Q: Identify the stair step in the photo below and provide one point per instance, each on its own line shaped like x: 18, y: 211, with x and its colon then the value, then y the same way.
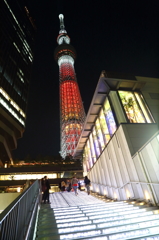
x: 88, y: 218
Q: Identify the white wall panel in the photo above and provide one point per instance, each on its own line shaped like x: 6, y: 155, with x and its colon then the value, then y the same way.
x: 155, y: 145
x: 100, y: 169
x: 103, y: 172
x: 121, y: 163
x: 98, y: 172
x: 114, y: 156
x: 139, y: 172
x: 155, y: 191
x: 110, y: 167
x: 135, y: 190
x: 104, y: 159
x: 139, y: 169
x: 150, y: 163
x: 121, y: 134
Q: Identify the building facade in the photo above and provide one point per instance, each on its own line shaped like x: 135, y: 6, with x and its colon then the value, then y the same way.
x: 16, y: 58
x: 72, y: 115
x: 120, y: 139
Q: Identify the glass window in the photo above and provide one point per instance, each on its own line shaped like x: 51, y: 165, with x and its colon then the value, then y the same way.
x: 96, y: 143
x: 111, y: 124
x: 89, y: 155
x: 86, y: 157
x: 99, y: 135
x: 92, y: 148
x: 27, y: 176
x: 104, y: 127
x: 144, y: 108
x: 135, y: 107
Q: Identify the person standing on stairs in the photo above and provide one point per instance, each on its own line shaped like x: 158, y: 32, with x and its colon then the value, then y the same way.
x: 74, y: 184
x: 46, y: 192
x: 87, y: 184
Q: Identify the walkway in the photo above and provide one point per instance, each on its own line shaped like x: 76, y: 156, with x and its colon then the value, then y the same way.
x: 86, y: 217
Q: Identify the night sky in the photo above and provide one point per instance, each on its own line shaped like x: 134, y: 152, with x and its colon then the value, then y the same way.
x: 117, y: 36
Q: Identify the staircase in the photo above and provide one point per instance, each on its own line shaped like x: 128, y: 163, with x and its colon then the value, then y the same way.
x: 86, y: 217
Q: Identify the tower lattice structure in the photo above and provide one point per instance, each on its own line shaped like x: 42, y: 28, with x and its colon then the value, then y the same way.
x: 72, y: 114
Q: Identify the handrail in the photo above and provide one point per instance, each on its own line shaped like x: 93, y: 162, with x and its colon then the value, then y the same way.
x: 17, y: 218
x: 31, y: 220
x: 124, y: 184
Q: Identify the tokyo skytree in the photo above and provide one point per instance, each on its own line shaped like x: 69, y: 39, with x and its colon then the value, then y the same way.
x: 72, y: 114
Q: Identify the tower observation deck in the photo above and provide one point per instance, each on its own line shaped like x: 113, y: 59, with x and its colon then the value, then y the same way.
x: 72, y: 114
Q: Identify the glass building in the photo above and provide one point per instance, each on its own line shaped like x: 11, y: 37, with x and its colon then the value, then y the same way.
x: 16, y: 59
x: 119, y: 144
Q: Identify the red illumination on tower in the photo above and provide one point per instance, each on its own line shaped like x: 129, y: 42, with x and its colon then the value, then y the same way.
x: 72, y: 114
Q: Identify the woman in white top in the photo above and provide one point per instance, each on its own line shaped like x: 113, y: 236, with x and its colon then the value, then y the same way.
x: 74, y: 184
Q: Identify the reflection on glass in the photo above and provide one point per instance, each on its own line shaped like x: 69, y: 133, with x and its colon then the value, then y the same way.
x: 135, y: 107
x: 85, y: 158
x: 92, y: 149
x: 104, y: 127
x: 99, y: 135
x: 89, y: 155
x: 109, y: 118
x: 96, y: 143
x: 144, y: 108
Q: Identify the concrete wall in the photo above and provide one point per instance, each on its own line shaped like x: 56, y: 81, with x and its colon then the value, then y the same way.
x: 6, y: 199
x: 119, y: 175
x: 128, y: 167
x: 138, y: 134
x: 151, y: 87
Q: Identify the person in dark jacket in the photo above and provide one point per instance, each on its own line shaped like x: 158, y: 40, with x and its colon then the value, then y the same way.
x: 43, y: 188
x: 63, y: 186
x: 68, y: 186
x: 46, y: 192
x: 87, y: 184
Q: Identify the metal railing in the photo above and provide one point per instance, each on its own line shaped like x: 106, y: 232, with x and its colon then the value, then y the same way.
x: 151, y: 184
x: 18, y: 219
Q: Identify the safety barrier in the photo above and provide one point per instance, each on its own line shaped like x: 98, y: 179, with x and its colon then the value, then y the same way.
x: 18, y: 219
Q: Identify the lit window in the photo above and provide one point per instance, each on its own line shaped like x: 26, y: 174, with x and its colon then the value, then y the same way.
x: 99, y: 134
x: 7, y: 97
x: 104, y: 127
x: 110, y: 121
x: 135, y: 107
x: 16, y: 47
x: 96, y: 143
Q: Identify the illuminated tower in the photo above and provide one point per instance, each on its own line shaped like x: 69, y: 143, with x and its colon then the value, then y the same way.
x: 72, y: 114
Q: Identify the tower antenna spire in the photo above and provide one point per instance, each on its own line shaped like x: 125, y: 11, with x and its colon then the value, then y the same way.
x: 62, y: 26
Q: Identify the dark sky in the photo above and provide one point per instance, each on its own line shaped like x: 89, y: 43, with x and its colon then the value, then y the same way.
x: 118, y: 36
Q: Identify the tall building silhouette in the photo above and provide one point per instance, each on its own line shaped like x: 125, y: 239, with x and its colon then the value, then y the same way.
x: 16, y: 58
x: 72, y: 114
